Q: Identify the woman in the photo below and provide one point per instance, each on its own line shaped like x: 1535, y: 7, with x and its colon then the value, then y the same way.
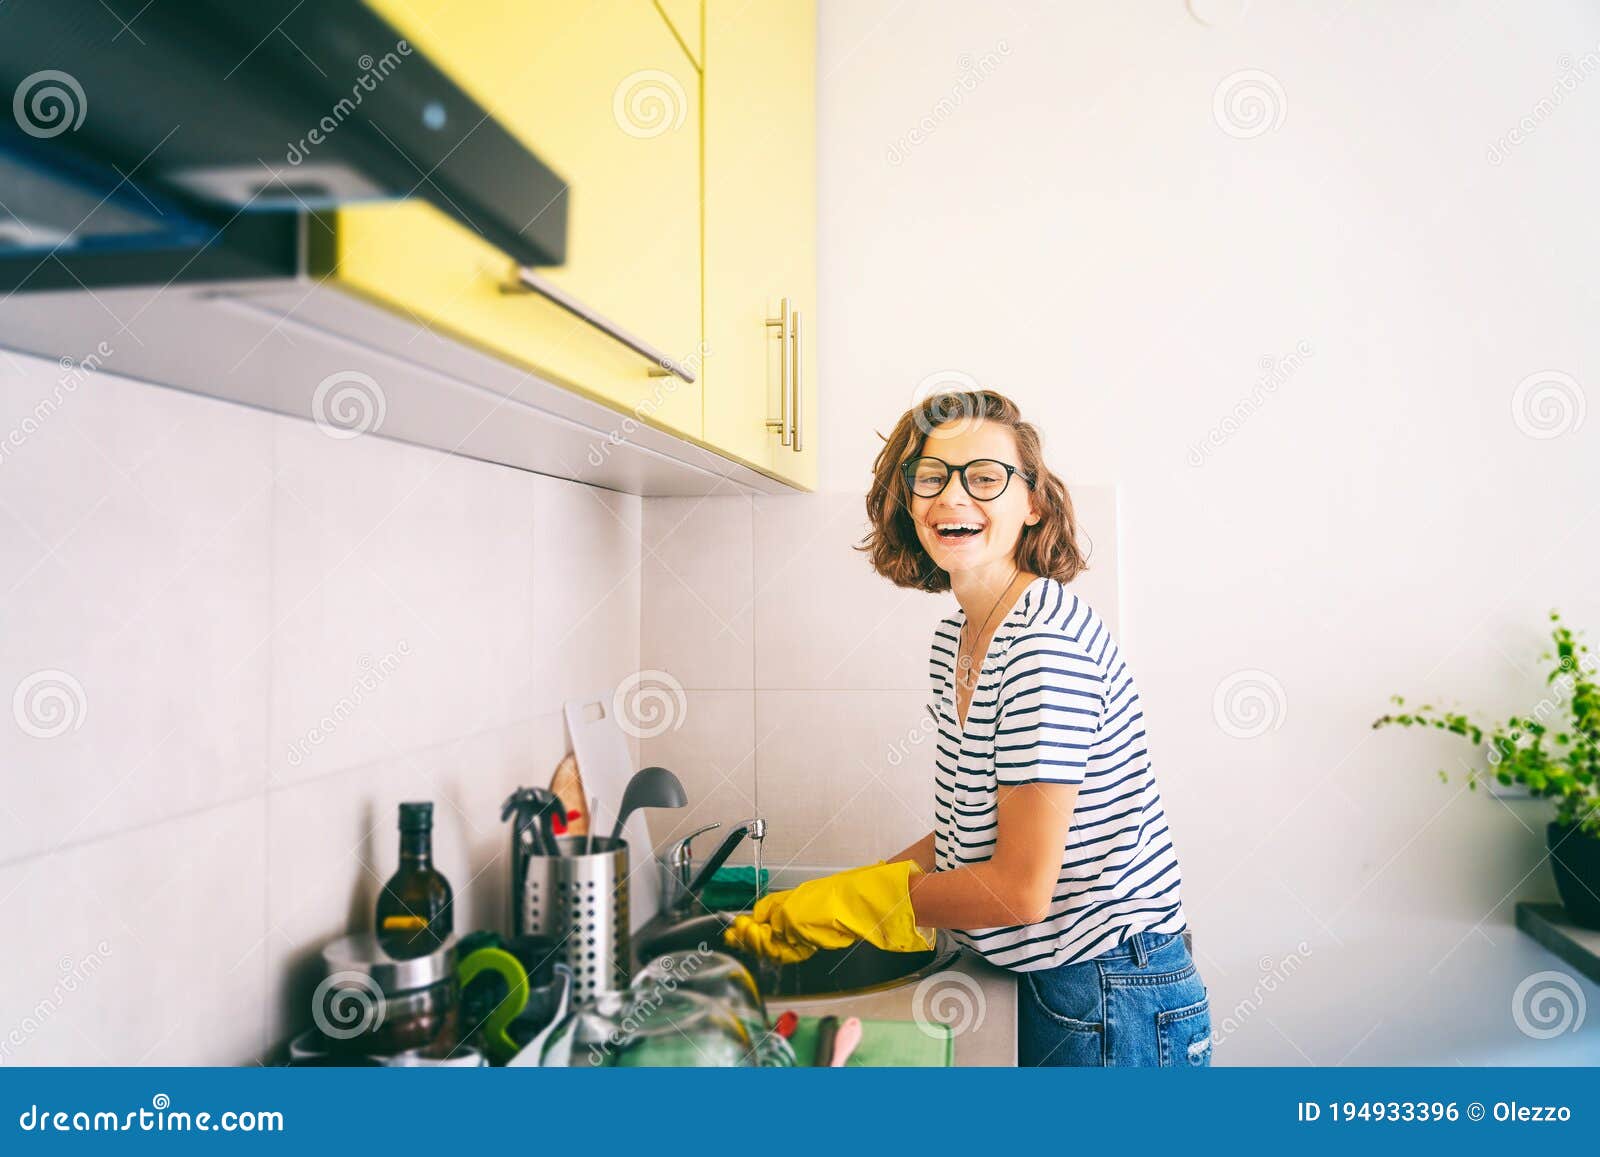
x: 1051, y: 854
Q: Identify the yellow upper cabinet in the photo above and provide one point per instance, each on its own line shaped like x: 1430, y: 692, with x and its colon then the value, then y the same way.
x: 760, y: 240
x: 605, y: 94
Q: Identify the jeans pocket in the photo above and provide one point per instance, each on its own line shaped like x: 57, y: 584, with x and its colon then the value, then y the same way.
x: 1070, y: 994
x: 1047, y: 1035
x: 1183, y: 1035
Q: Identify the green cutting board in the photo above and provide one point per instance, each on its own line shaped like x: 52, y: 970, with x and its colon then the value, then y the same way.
x: 885, y: 1044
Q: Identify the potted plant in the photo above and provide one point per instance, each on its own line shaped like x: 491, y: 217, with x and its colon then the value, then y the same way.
x: 1554, y: 751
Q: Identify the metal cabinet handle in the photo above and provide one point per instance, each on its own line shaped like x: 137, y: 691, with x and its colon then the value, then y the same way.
x: 525, y: 280
x: 794, y: 377
x: 785, y: 329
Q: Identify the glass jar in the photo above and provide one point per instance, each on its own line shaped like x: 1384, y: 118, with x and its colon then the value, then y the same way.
x: 726, y: 980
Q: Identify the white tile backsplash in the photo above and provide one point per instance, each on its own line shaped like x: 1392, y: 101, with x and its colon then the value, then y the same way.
x: 227, y: 586
x: 134, y: 604
x: 823, y: 618
x: 586, y: 589
x: 142, y: 948
x: 713, y: 753
x: 846, y: 776
x: 697, y: 570
x: 403, y: 601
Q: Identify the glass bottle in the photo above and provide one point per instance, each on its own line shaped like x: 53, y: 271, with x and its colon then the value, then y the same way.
x: 414, y: 913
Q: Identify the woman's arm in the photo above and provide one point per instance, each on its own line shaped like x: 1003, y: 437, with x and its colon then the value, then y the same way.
x: 1014, y: 886
x: 921, y: 853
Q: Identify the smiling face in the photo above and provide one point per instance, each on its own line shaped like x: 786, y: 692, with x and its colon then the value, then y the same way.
x: 995, y: 525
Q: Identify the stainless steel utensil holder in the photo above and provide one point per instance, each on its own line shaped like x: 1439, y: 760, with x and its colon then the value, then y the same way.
x: 581, y: 899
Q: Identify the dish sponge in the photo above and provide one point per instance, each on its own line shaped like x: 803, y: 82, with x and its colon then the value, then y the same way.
x: 732, y: 889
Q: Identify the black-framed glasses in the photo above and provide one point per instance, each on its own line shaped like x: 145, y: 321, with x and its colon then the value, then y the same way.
x: 984, y: 478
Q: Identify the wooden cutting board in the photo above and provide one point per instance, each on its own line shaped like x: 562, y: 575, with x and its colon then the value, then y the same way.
x: 567, y: 783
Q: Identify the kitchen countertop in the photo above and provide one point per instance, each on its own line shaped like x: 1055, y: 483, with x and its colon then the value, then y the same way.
x: 975, y: 998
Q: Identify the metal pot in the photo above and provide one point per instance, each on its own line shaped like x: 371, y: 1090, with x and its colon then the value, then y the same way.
x: 370, y: 1003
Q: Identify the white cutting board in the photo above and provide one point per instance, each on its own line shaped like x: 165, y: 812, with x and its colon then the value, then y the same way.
x: 606, y: 766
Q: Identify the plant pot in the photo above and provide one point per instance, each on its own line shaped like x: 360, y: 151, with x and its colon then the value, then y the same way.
x: 1575, y: 859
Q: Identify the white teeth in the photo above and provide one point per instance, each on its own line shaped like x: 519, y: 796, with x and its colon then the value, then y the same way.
x: 957, y: 526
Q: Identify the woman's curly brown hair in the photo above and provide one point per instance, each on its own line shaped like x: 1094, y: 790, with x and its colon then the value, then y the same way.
x: 1049, y: 547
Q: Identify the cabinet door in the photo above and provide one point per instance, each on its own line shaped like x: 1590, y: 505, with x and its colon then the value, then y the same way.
x: 684, y: 16
x: 603, y: 92
x: 760, y: 182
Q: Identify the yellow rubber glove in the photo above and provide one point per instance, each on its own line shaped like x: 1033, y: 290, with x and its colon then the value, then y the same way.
x: 753, y: 933
x: 871, y: 903
x: 762, y: 912
x: 759, y: 940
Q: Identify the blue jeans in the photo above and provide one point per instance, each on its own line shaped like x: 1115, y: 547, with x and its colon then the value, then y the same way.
x: 1140, y: 1003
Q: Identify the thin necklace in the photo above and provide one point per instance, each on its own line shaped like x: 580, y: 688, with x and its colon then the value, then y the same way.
x: 965, y: 662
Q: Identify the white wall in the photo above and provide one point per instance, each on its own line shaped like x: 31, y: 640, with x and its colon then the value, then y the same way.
x: 189, y: 589
x: 1074, y: 228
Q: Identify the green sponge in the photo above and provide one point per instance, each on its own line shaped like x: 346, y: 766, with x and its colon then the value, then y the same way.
x: 732, y: 889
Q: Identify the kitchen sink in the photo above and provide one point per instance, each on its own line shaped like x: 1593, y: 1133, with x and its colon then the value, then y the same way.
x: 849, y: 971
x: 846, y: 971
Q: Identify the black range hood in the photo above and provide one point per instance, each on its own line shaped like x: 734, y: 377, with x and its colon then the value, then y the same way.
x: 186, y: 138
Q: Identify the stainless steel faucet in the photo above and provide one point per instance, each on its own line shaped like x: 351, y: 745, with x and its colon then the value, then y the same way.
x: 681, y: 859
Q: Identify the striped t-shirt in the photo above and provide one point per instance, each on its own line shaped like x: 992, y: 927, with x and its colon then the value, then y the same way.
x: 1055, y: 703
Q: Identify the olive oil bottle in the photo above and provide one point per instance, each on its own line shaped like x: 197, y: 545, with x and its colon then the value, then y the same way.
x: 414, y: 916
